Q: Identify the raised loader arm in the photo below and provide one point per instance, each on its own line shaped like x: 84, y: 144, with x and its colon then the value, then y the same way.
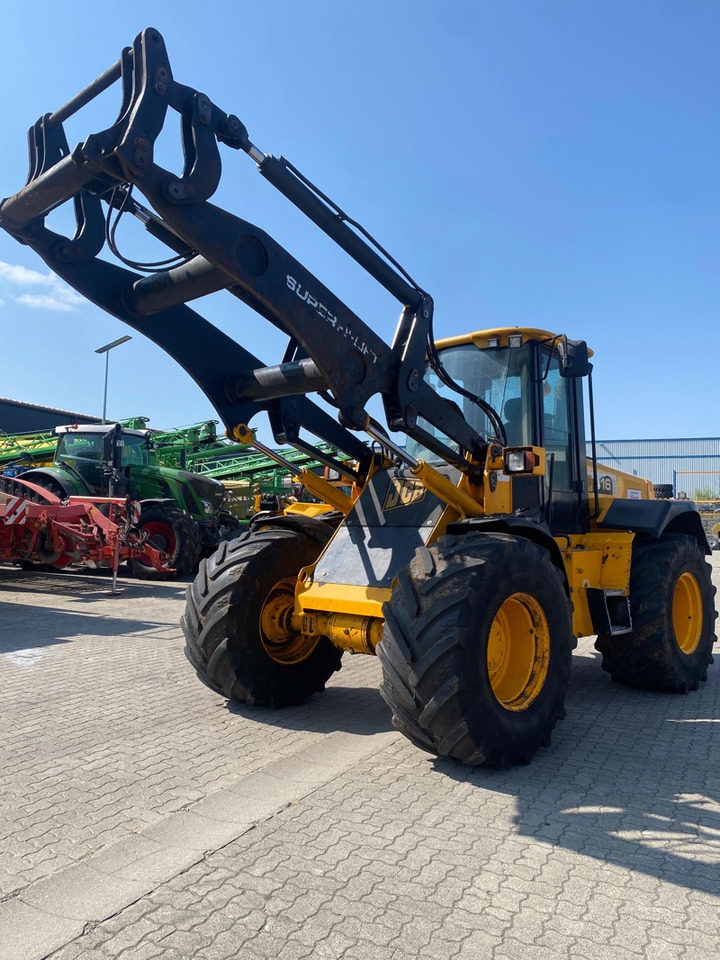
x: 330, y: 349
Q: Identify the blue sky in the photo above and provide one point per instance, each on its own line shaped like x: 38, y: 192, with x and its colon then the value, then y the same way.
x: 551, y: 163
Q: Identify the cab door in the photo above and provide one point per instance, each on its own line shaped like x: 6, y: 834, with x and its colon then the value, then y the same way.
x: 563, y: 436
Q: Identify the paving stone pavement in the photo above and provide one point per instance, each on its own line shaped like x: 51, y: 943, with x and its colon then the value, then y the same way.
x: 142, y: 816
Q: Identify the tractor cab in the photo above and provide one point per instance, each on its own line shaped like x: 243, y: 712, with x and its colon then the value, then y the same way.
x: 91, y: 450
x: 531, y: 381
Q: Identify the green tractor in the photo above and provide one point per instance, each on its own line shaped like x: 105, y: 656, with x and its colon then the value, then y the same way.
x: 181, y: 512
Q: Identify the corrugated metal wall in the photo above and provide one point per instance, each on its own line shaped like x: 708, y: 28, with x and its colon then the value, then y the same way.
x: 693, y: 463
x: 18, y: 417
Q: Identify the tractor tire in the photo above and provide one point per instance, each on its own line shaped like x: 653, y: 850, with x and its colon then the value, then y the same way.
x: 52, y: 486
x: 229, y: 526
x: 477, y: 649
x: 9, y: 486
x: 175, y: 533
x: 663, y: 491
x: 672, y: 607
x: 236, y: 621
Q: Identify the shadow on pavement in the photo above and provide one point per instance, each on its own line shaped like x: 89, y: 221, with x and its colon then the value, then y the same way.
x: 631, y: 778
x: 87, y: 587
x: 25, y: 626
x: 358, y: 710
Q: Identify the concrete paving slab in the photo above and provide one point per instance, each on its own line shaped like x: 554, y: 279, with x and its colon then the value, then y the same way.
x: 27, y: 933
x: 80, y: 893
x: 190, y: 831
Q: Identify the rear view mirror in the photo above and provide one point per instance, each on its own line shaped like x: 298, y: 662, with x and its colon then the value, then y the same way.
x: 574, y: 358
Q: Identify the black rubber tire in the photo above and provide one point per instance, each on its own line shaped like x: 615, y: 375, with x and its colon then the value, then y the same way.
x: 173, y: 532
x: 10, y: 486
x: 434, y: 651
x: 651, y: 657
x: 229, y: 526
x: 51, y: 485
x: 663, y: 491
x: 221, y: 622
x: 226, y: 527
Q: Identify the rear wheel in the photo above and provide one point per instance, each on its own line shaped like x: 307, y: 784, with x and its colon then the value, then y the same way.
x: 229, y: 526
x: 174, y: 533
x: 226, y: 527
x: 477, y: 649
x: 48, y: 483
x: 673, y: 613
x: 237, y: 624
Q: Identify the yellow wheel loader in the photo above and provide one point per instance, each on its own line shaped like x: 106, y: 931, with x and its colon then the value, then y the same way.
x: 473, y: 541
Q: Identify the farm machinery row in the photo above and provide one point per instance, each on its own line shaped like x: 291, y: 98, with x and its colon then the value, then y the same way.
x: 182, y: 512
x: 217, y: 483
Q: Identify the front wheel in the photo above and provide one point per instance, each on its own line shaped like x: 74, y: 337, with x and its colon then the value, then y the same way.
x: 477, y: 649
x: 172, y: 532
x: 237, y: 620
x: 672, y: 608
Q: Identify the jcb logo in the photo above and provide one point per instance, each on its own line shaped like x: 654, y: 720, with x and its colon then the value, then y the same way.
x: 402, y: 492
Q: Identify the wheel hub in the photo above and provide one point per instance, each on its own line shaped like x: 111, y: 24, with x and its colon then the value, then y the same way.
x: 687, y: 613
x: 160, y: 536
x: 518, y: 651
x: 279, y: 639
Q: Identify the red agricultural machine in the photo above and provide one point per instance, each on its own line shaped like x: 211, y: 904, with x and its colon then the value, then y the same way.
x: 38, y: 529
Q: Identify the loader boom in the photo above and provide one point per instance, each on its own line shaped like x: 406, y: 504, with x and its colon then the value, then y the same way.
x: 330, y: 349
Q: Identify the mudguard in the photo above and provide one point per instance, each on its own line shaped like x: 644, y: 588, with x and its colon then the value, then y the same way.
x: 653, y: 518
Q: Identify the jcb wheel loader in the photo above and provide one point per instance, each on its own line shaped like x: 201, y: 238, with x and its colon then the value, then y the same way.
x: 478, y: 542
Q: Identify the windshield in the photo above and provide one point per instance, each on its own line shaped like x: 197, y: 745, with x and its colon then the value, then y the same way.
x: 89, y: 447
x: 499, y: 376
x: 73, y: 446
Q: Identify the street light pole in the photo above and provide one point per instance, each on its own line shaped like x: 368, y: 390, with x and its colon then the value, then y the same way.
x: 106, y: 350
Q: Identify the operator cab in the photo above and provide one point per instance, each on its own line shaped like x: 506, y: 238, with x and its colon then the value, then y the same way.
x: 533, y: 380
x: 88, y: 449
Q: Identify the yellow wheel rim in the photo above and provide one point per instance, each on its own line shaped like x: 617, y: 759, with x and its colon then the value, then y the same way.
x: 278, y: 638
x: 687, y: 613
x: 518, y: 652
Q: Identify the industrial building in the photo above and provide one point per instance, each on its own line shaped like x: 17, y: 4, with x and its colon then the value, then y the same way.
x: 691, y: 465
x: 19, y: 417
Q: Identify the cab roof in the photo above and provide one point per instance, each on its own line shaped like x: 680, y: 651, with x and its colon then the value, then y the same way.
x: 481, y: 338
x: 101, y: 428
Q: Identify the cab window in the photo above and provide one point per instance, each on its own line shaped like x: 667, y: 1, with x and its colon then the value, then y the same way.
x: 556, y: 423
